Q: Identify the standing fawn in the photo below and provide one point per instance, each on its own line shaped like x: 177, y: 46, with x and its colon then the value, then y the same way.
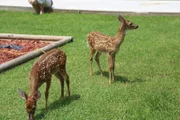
x: 52, y: 62
x: 109, y: 45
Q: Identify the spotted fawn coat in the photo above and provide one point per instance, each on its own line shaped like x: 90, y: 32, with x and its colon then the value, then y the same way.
x: 109, y: 45
x: 52, y: 62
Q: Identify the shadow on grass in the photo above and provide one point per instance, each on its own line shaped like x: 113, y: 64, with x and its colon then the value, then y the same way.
x: 122, y: 79
x: 58, y: 104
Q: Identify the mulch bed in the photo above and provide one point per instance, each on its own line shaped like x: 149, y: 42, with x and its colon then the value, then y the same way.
x: 7, y: 52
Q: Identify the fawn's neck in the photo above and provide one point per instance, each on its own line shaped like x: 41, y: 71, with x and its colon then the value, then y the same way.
x: 33, y: 80
x: 33, y: 86
x: 121, y: 34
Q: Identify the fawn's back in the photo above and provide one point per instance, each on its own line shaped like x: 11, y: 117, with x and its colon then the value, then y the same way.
x: 48, y: 64
x: 102, y: 42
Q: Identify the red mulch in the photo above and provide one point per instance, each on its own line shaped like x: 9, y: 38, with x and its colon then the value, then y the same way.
x: 7, y: 54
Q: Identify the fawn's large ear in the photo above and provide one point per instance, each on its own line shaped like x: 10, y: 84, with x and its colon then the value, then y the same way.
x: 121, y: 19
x: 22, y: 94
x: 37, y: 95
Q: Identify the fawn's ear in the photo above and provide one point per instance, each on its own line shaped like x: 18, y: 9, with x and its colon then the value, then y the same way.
x: 37, y: 95
x: 22, y: 94
x: 121, y: 19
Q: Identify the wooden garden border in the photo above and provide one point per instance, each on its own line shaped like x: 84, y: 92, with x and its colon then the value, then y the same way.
x: 56, y: 41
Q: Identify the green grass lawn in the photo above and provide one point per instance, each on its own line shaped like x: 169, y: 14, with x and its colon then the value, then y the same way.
x: 147, y: 73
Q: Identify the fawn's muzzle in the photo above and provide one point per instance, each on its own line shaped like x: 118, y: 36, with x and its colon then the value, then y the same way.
x: 136, y: 27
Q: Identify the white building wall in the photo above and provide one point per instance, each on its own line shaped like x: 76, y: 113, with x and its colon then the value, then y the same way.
x: 139, y: 6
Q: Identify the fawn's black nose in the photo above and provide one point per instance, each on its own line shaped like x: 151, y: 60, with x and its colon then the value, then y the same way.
x: 136, y: 27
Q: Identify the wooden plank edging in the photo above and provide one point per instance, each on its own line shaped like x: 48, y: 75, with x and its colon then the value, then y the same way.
x: 17, y: 61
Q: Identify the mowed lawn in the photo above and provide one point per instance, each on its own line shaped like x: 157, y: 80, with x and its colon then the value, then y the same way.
x: 147, y: 73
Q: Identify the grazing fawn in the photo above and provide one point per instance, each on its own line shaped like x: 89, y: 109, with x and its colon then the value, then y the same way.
x: 109, y: 45
x: 52, y: 62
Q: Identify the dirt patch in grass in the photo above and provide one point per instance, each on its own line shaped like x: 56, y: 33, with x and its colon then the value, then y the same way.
x: 13, y: 48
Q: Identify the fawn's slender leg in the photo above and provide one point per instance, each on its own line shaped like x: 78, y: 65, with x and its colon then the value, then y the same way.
x: 62, y: 75
x: 113, y: 60
x: 110, y: 65
x: 66, y: 77
x: 67, y: 83
x: 92, y: 52
x: 61, y: 79
x: 98, y: 54
x: 48, y: 84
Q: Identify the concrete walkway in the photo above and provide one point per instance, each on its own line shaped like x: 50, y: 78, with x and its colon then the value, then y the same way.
x: 137, y: 6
